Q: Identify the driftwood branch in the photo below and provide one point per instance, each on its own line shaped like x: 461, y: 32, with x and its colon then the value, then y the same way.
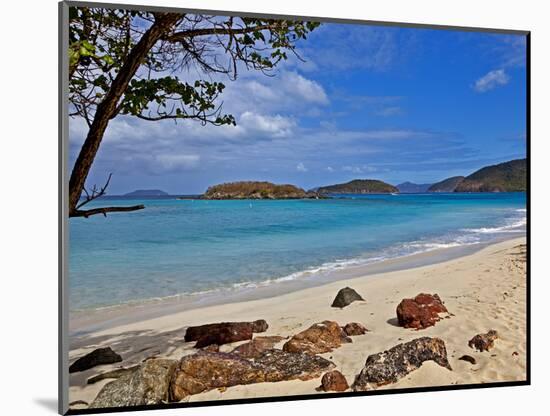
x: 89, y: 212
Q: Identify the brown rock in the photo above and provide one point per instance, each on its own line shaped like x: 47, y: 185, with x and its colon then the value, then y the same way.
x: 206, y: 371
x: 420, y: 312
x: 99, y: 356
x: 334, y: 381
x: 209, y: 370
x: 484, y: 342
x: 355, y: 328
x: 254, y: 348
x: 147, y: 385
x: 391, y: 365
x: 259, y: 325
x: 224, y: 332
x: 317, y: 339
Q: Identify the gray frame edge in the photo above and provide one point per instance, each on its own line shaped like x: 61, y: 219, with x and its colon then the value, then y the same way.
x: 71, y: 3
x: 63, y: 241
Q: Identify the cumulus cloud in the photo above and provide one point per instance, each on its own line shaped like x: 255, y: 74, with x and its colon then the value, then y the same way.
x: 287, y: 91
x: 275, y: 126
x: 303, y: 88
x: 491, y: 80
x: 300, y: 167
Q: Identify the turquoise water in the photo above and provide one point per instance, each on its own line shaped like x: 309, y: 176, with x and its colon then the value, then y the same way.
x: 178, y: 247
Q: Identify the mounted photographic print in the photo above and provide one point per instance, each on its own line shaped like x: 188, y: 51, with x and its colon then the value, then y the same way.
x: 262, y: 208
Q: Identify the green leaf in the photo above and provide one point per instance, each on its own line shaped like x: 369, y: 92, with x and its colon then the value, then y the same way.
x: 108, y: 60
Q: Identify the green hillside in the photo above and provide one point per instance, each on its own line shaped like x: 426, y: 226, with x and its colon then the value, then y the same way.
x: 446, y: 185
x: 359, y: 186
x: 505, y: 177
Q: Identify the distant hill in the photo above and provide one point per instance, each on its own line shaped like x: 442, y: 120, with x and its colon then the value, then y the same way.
x: 256, y: 190
x: 147, y: 192
x: 359, y: 186
x: 505, y: 177
x: 413, y: 188
x: 447, y: 185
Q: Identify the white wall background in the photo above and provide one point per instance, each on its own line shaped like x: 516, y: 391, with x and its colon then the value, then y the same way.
x: 28, y: 207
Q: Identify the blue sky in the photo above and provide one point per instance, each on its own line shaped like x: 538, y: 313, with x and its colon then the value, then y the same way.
x: 396, y: 104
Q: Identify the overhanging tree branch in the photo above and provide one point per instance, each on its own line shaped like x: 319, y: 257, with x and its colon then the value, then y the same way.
x: 123, y: 63
x: 186, y: 34
x: 81, y: 169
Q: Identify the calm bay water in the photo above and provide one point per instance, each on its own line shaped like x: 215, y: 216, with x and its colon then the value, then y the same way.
x: 178, y: 247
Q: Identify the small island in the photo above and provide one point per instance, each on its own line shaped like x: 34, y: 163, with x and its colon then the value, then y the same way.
x: 359, y: 186
x: 256, y: 190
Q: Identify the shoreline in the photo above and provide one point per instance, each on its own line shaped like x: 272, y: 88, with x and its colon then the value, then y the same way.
x: 484, y: 290
x: 82, y: 322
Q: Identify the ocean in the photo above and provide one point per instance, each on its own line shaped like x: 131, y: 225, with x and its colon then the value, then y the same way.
x: 178, y: 248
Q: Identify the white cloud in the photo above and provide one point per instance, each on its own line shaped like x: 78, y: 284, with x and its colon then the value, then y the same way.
x: 359, y: 169
x: 303, y: 88
x: 395, y: 134
x: 172, y: 162
x: 300, y: 167
x: 330, y: 169
x: 275, y: 126
x: 491, y: 80
x: 285, y: 92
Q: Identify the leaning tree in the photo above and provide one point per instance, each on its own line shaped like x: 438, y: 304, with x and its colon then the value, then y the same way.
x: 124, y: 62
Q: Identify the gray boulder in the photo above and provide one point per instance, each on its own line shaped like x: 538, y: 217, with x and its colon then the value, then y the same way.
x: 149, y: 384
x: 99, y: 356
x: 391, y: 365
x: 345, y: 296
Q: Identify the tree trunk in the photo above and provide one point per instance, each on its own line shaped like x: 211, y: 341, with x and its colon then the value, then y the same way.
x: 107, y: 108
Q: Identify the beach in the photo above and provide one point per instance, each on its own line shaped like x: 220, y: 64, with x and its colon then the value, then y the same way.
x: 484, y: 290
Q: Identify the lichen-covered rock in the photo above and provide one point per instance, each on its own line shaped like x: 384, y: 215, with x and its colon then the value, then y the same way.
x: 334, y: 381
x: 254, y: 348
x: 223, y: 332
x: 317, y: 339
x: 206, y: 371
x: 344, y: 297
x: 97, y: 357
x: 145, y: 386
x: 391, y: 365
x: 355, y: 328
x: 119, y: 372
x: 280, y: 365
x: 209, y: 370
x: 420, y: 312
x: 484, y: 342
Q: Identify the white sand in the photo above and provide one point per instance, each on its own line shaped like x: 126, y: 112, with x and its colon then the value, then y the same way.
x: 485, y: 290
